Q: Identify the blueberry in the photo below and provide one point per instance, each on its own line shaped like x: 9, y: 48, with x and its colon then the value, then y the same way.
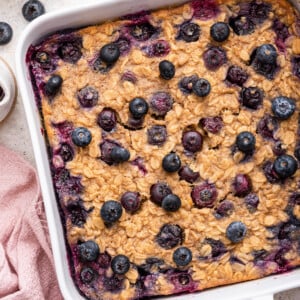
x: 283, y: 107
x: 120, y: 264
x: 88, y: 251
x: 186, y: 84
x: 278, y: 148
x: 189, y: 32
x: 245, y: 141
x: 138, y: 107
x: 169, y: 236
x: 267, y: 126
x: 269, y: 172
x: 220, y: 31
x: 87, y: 275
x: 110, y: 53
x: 236, y: 231
x: 187, y: 174
x: 143, y: 31
x: 119, y: 154
x: 157, y: 135
x: 129, y: 76
x: 192, y: 141
x: 214, y: 58
x: 77, y: 213
x: 296, y: 66
x: 171, y: 203
x: 251, y: 97
x: 113, y: 284
x: 204, y: 195
x: 124, y: 45
x: 106, y: 148
x: 32, y: 9
x: 107, y: 119
x: 66, y: 152
x: 6, y: 33
x: 236, y: 75
x: 111, y: 211
x: 241, y: 25
x: 211, y: 124
x: 87, y: 97
x: 285, y: 166
x: 157, y: 48
x: 53, y: 85
x: 161, y: 103
x: 44, y: 60
x: 205, y: 10
x: 81, y: 136
x: 182, y: 256
x: 224, y: 209
x: 217, y: 247
x: 282, y: 33
x: 101, y: 66
x: 242, y: 185
x: 159, y: 191
x: 251, y: 201
x: 166, y: 70
x: 201, y: 87
x: 134, y: 124
x: 131, y: 201
x: 171, y: 162
x: 104, y: 260
x: 70, y: 51
x: 258, y: 11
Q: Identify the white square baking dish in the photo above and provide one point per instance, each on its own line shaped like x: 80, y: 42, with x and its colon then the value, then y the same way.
x: 262, y: 289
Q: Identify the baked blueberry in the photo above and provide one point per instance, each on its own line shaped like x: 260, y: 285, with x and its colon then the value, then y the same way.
x: 220, y: 31
x: 211, y: 124
x: 70, y: 51
x: 101, y: 66
x: 138, y: 107
x: 106, y: 147
x: 87, y: 97
x: 187, y: 174
x: 186, y: 84
x: 182, y: 256
x: 236, y: 231
x: 296, y: 66
x: 107, y: 119
x: 204, y: 195
x: 110, y: 53
x: 157, y: 135
x: 271, y: 175
x: 119, y: 154
x: 81, y: 136
x: 241, y: 25
x: 283, y: 107
x: 124, y: 45
x: 104, y: 260
x: 251, y: 201
x: 242, y: 185
x: 217, y: 248
x: 53, y: 85
x: 245, y: 141
x: 170, y: 236
x: 189, y: 32
x: 160, y: 104
x: 192, y: 141
x: 157, y: 48
x: 159, y: 191
x: 143, y: 31
x: 111, y: 211
x: 166, y: 69
x: 66, y: 152
x: 32, y: 9
x: 282, y: 33
x: 171, y: 203
x: 201, y: 87
x: 42, y: 57
x: 131, y: 201
x: 171, y: 162
x: 257, y: 11
x: 88, y: 251
x: 77, y: 213
x: 267, y: 127
x: 225, y: 209
x: 87, y: 275
x: 285, y: 166
x: 214, y: 58
x: 251, y: 97
x: 6, y: 33
x: 236, y: 75
x: 120, y: 264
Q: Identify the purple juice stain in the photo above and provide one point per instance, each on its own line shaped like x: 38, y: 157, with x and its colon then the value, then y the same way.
x: 64, y: 130
x: 182, y: 281
x: 139, y: 162
x: 124, y: 45
x: 205, y: 9
x: 129, y: 76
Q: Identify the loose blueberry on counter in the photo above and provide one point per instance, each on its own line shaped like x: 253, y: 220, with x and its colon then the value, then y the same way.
x: 224, y: 209
x: 283, y: 107
x: 171, y: 162
x: 6, y: 33
x: 251, y: 97
x: 161, y: 103
x: 157, y: 135
x: 182, y: 256
x: 166, y: 69
x: 236, y: 231
x: 242, y: 185
x: 143, y: 31
x: 267, y: 126
x: 245, y: 142
x: 159, y: 191
x: 157, y: 48
x: 111, y: 211
x: 53, y: 85
x: 296, y: 66
x: 66, y: 152
x: 32, y: 9
x: 87, y: 275
x: 88, y: 251
x: 187, y: 174
x: 119, y: 154
x: 236, y: 75
x: 87, y: 97
x: 211, y: 124
x: 171, y: 203
x: 192, y: 141
x: 138, y: 107
x: 214, y: 58
x: 110, y: 53
x: 131, y: 201
x: 70, y: 51
x: 189, y: 32
x: 81, y: 136
x: 170, y: 236
x: 219, y: 31
x: 186, y: 84
x: 241, y: 25
x: 285, y: 166
x: 107, y: 119
x: 120, y: 264
x: 204, y: 195
x: 251, y: 201
x: 201, y: 87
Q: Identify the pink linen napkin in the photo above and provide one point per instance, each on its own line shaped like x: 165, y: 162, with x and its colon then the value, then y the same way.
x: 26, y: 262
